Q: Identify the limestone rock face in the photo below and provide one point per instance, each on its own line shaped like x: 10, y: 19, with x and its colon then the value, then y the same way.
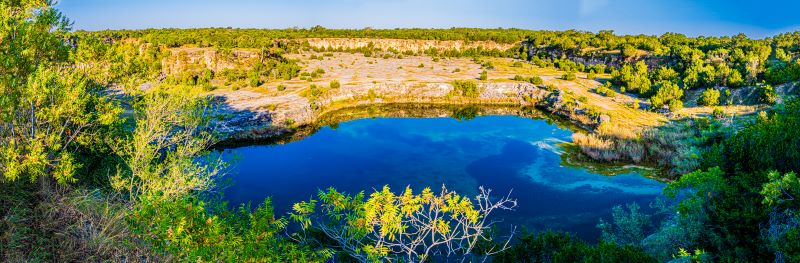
x: 239, y: 114
x: 403, y: 45
x: 183, y: 59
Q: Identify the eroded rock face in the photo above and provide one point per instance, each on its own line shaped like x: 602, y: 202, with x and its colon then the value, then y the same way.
x: 183, y: 59
x: 403, y: 45
x: 241, y: 114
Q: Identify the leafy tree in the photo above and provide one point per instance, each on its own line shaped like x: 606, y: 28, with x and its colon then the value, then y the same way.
x: 667, y: 92
x: 49, y: 109
x: 710, y: 97
x: 767, y: 94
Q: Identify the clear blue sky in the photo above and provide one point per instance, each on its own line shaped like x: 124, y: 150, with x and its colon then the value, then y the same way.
x: 713, y: 17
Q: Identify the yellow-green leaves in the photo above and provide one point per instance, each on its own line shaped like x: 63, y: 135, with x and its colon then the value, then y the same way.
x: 387, y: 224
x: 302, y: 211
x: 781, y: 188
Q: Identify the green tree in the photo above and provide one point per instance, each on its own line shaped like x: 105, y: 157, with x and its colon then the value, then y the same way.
x: 49, y: 109
x: 709, y: 97
x: 667, y: 92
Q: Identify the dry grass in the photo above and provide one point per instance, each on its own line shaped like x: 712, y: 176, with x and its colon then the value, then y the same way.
x: 75, y: 226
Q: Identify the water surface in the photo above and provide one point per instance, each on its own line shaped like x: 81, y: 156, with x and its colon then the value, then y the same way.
x: 504, y: 153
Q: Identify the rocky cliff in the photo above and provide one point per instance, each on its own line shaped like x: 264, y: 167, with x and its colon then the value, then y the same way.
x: 403, y: 45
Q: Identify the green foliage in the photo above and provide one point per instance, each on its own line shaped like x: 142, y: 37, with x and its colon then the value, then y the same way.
x: 562, y: 247
x: 628, y: 227
x: 50, y: 110
x: 718, y: 113
x: 773, y: 143
x: 710, y: 97
x: 766, y: 94
x: 335, y: 84
x: 666, y: 93
x: 484, y: 75
x: 675, y: 105
x: 633, y: 79
x: 535, y: 80
x: 781, y: 189
x: 388, y: 226
x: 186, y: 229
x: 605, y: 90
x: 568, y: 76
x: 465, y: 88
x: 281, y: 87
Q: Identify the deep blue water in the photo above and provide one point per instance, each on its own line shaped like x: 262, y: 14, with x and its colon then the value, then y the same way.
x: 503, y: 153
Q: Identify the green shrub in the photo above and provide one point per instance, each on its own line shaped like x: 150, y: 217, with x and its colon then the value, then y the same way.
x: 718, y: 113
x: 281, y: 87
x: 484, y: 75
x: 536, y: 80
x: 569, y: 76
x: 675, y: 105
x: 335, y: 84
x: 605, y: 90
x: 767, y: 94
x: 563, y: 247
x: 465, y: 88
x: 710, y: 97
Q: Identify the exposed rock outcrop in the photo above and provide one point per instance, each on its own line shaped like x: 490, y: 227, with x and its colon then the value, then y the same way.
x: 241, y: 114
x: 403, y: 45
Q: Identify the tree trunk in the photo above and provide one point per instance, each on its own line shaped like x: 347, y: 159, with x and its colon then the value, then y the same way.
x: 33, y: 120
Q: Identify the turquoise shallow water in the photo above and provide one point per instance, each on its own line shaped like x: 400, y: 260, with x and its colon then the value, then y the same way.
x: 504, y: 153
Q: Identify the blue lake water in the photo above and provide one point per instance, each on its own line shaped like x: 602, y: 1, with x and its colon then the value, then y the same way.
x: 504, y: 153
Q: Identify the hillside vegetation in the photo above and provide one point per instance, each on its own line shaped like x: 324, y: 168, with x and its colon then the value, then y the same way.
x: 104, y: 140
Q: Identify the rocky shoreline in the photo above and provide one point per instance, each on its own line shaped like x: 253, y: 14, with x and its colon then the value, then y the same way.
x: 244, y: 115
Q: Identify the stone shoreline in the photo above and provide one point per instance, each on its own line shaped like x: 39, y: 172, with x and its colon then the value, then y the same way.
x: 243, y: 115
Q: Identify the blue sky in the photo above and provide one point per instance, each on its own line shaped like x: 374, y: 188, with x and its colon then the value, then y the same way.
x: 653, y: 17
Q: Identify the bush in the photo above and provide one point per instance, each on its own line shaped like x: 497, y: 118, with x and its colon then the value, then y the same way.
x: 465, y: 88
x: 710, y: 97
x: 772, y: 143
x: 667, y: 91
x: 568, y: 76
x: 718, y: 113
x: 562, y: 247
x: 767, y: 94
x: 254, y: 79
x: 335, y: 84
x: 535, y: 80
x: 605, y: 90
x: 281, y: 87
x: 675, y: 105
x: 484, y: 75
